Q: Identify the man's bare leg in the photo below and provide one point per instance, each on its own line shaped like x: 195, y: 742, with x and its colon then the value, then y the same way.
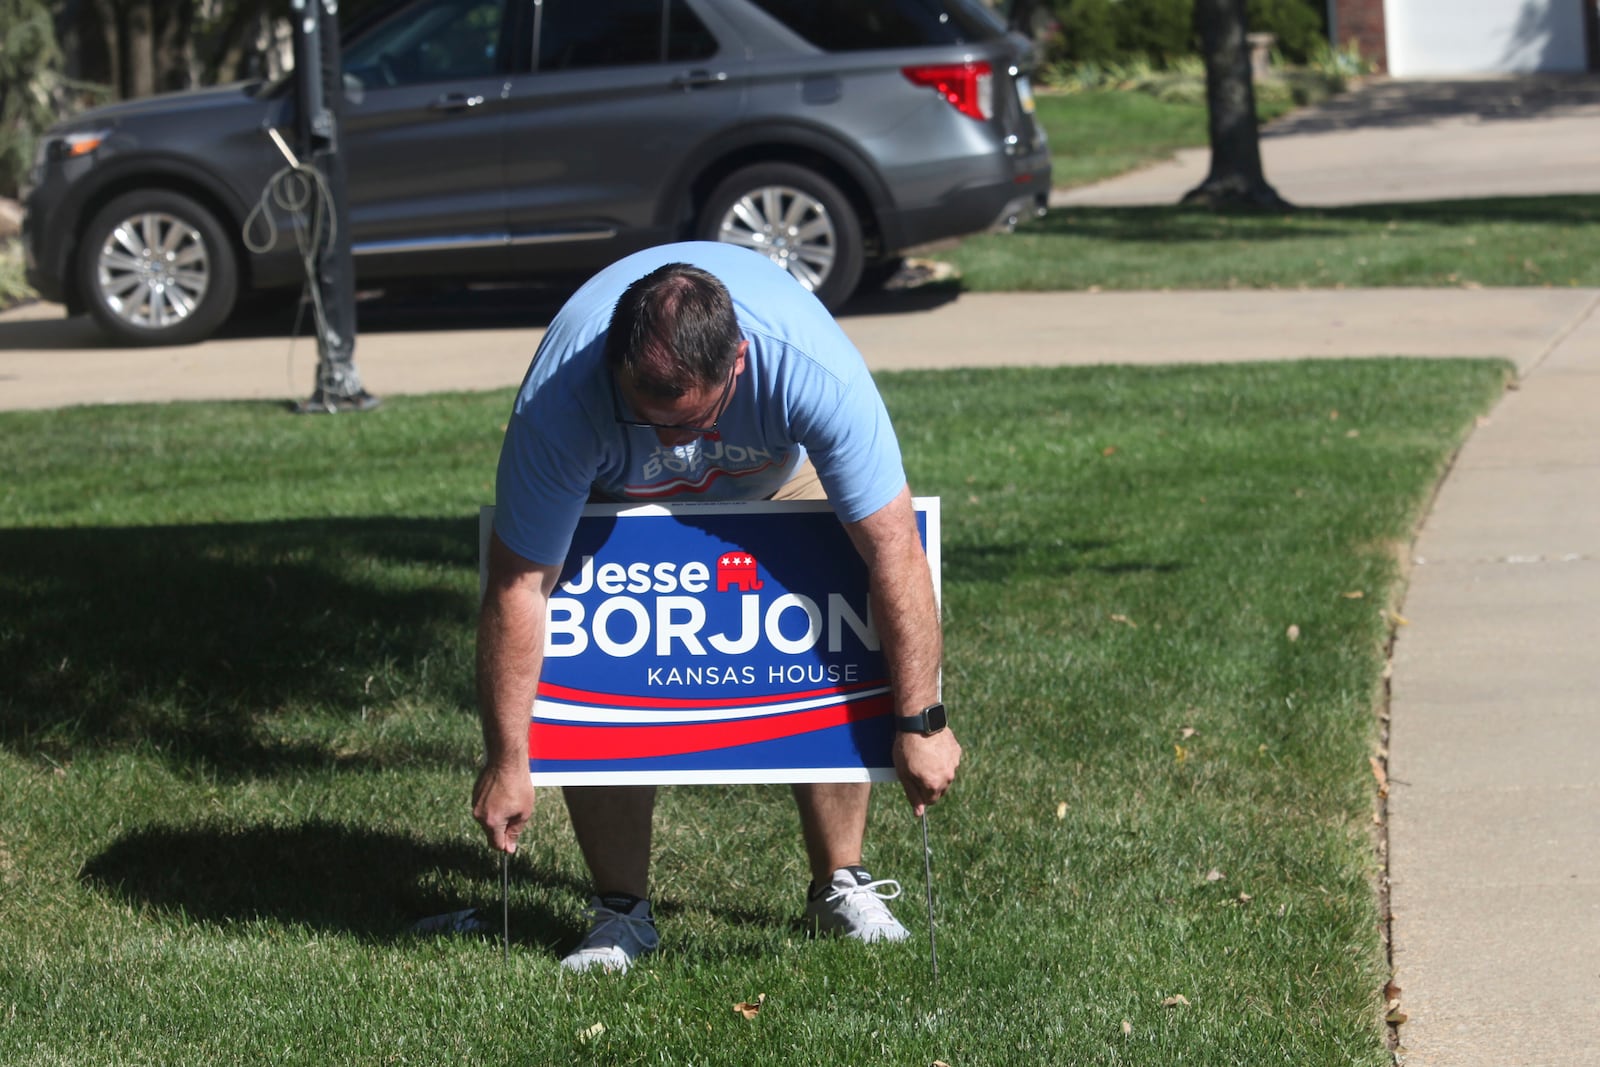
x: 833, y: 819
x: 612, y: 824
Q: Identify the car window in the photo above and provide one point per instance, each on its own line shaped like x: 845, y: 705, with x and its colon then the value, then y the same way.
x: 428, y: 41
x: 687, y: 37
x: 859, y: 25
x: 576, y: 34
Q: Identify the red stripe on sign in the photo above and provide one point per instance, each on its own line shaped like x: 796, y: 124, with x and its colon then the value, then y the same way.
x: 619, y: 700
x: 572, y: 741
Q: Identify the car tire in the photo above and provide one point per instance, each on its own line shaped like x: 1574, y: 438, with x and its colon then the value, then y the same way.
x: 796, y: 218
x: 156, y: 268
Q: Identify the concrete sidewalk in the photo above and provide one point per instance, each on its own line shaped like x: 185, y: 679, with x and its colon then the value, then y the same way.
x: 1494, y: 774
x: 47, y: 361
x: 1494, y: 830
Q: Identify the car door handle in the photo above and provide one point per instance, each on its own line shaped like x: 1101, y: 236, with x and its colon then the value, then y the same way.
x: 697, y: 79
x: 456, y: 102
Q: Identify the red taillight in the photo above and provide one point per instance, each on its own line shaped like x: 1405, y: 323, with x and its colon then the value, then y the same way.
x: 968, y: 87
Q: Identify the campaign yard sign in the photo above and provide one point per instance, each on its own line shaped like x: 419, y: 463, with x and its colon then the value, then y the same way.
x: 713, y: 642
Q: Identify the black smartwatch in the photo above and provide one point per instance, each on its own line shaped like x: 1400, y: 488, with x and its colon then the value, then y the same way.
x: 927, y: 722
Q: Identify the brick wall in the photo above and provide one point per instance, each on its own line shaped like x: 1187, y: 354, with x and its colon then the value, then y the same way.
x: 1362, y: 21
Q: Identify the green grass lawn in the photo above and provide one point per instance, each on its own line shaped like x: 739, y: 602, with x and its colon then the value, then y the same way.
x: 1519, y: 241
x: 1096, y: 135
x: 1102, y: 133
x: 236, y: 743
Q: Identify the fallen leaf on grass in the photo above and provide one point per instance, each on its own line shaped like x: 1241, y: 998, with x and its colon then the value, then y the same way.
x: 1395, y: 1018
x: 1061, y: 810
x: 1214, y: 875
x: 749, y: 1010
x: 1109, y: 450
x: 1354, y: 594
x: 1380, y: 774
x: 593, y: 1032
x: 1124, y: 620
x: 1179, y: 753
x: 1187, y: 732
x: 1127, y: 1028
x: 1177, y: 1000
x: 1293, y: 633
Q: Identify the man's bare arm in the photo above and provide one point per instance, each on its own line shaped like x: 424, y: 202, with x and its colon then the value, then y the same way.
x: 510, y: 656
x: 907, y: 620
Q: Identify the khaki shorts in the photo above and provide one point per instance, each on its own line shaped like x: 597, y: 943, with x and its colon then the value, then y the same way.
x: 805, y: 485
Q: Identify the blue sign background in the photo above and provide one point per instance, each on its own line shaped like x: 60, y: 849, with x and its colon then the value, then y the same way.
x: 713, y: 643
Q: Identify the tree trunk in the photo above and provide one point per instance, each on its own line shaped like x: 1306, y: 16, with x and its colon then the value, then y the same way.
x: 1236, y: 178
x: 138, y: 50
x: 1019, y: 17
x: 230, y: 52
x: 173, y: 47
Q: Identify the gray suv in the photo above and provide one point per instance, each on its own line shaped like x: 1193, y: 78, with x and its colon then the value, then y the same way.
x: 499, y: 139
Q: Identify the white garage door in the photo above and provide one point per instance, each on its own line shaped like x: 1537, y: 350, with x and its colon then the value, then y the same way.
x: 1442, y: 37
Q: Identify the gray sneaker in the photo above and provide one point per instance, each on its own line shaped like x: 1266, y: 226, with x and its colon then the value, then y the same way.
x: 852, y: 905
x: 620, y: 933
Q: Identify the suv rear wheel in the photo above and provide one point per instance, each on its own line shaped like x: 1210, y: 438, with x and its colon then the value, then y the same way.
x: 155, y: 267
x: 796, y: 218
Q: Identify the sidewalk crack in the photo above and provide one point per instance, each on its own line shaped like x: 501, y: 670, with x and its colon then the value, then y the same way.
x: 1561, y: 336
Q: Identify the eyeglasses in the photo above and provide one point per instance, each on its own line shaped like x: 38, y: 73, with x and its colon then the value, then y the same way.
x: 720, y: 409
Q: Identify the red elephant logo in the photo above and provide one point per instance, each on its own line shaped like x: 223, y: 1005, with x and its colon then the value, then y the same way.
x: 737, y: 570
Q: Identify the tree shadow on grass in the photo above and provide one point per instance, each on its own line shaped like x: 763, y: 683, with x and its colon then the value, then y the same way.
x: 1174, y: 224
x: 191, y: 640
x: 346, y: 879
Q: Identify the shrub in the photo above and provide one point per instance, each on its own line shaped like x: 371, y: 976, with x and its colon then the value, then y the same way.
x: 30, y: 61
x: 1087, y: 34
x: 1297, y: 26
x: 1160, y: 29
x: 1110, y: 32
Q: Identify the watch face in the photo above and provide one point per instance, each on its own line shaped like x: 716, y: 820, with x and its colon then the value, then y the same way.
x: 933, y: 718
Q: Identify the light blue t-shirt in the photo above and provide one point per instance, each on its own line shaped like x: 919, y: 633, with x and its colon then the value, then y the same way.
x: 805, y: 391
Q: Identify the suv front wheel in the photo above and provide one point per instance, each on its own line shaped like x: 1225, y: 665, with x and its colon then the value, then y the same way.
x: 155, y: 267
x: 796, y: 218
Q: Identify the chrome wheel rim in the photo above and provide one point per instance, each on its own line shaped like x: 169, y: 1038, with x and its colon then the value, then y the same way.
x: 153, y: 270
x: 789, y: 227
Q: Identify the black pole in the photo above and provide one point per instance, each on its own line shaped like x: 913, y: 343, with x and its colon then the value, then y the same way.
x: 319, y: 90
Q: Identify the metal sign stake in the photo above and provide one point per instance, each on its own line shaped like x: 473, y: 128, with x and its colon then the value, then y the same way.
x: 927, y: 871
x: 505, y: 907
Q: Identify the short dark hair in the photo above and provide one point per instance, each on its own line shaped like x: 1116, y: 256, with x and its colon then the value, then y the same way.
x: 673, y: 331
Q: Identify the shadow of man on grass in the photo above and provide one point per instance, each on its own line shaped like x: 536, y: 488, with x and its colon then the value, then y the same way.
x: 347, y: 879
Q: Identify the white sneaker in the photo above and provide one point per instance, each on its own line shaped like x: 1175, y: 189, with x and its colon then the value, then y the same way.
x: 620, y: 933
x: 852, y: 905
